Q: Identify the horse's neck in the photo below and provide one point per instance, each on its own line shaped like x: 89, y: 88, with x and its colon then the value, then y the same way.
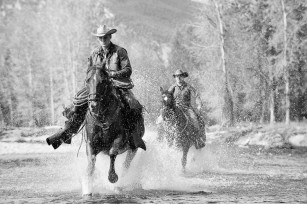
x: 108, y: 103
x: 168, y: 113
x: 112, y: 102
x: 174, y: 114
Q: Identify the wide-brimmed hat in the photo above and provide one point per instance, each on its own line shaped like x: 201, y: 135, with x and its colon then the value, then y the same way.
x: 103, y: 30
x: 179, y: 72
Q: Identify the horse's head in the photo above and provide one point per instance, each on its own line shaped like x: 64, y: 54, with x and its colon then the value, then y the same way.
x: 167, y: 98
x: 98, y: 84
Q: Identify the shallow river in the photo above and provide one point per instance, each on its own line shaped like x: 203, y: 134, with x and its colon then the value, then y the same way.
x: 34, y: 173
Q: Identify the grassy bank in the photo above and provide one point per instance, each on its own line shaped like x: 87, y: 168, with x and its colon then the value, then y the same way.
x: 278, y: 135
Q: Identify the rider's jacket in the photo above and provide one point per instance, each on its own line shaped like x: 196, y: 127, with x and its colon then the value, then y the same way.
x: 116, y: 62
x: 183, y: 94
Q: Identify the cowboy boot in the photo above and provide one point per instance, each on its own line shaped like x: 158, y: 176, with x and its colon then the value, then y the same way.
x: 201, y: 140
x: 138, y: 129
x: 71, y: 127
x: 63, y: 135
x: 134, y: 125
x: 139, y: 132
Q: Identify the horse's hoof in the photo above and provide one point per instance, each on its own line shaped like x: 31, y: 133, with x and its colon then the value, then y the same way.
x: 87, y: 196
x: 113, y: 178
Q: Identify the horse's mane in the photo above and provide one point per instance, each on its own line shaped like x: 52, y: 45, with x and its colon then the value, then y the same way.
x: 91, y: 71
x: 112, y: 96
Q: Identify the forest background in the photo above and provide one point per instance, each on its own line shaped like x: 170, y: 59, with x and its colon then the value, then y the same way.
x: 247, y: 58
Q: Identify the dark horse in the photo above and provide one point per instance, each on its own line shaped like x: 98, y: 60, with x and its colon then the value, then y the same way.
x: 177, y: 127
x: 106, y: 123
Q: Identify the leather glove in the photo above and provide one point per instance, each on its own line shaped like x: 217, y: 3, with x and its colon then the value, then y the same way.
x: 112, y: 74
x: 100, y: 65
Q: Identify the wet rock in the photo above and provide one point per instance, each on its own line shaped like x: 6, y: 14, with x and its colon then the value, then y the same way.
x: 299, y: 140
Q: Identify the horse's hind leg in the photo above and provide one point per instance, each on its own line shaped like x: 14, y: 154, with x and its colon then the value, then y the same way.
x: 91, y: 159
x: 130, y: 155
x: 112, y: 174
x: 184, y: 157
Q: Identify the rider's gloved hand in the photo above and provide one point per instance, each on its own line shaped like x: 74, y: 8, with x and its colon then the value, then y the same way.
x: 100, y: 65
x: 112, y: 74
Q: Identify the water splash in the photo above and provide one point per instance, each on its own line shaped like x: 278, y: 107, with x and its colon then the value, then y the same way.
x: 158, y: 168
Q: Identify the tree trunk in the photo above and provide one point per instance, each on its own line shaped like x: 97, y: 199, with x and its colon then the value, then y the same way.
x: 272, y: 107
x: 10, y: 103
x: 228, y: 112
x: 30, y: 83
x: 262, y: 105
x: 285, y: 66
x: 62, y: 55
x: 262, y: 90
x: 51, y: 96
x: 74, y: 55
x: 301, y: 98
x: 272, y: 100
x: 2, y: 120
x: 2, y: 123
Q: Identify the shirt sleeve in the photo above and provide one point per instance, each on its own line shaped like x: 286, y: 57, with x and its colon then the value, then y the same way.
x: 196, y: 96
x: 124, y: 61
x: 89, y: 63
x: 171, y: 89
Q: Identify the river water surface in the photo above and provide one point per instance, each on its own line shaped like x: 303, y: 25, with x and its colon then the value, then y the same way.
x: 34, y: 173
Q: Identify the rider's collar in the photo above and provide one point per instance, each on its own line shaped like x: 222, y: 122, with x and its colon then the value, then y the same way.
x: 109, y: 49
x: 182, y: 85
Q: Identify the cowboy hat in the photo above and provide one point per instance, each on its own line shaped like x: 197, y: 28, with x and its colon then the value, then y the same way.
x: 179, y: 72
x: 103, y: 31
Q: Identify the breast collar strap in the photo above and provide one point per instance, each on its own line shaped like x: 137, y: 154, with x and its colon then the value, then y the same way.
x: 105, y: 124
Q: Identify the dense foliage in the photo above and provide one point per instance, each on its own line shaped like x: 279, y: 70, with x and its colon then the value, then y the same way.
x: 246, y: 57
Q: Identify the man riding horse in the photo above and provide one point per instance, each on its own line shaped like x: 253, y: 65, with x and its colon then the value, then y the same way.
x: 114, y: 59
x: 183, y: 94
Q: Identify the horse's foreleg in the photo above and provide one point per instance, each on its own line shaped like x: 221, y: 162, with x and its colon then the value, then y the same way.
x: 112, y: 174
x: 91, y: 159
x: 184, y: 157
x: 130, y: 155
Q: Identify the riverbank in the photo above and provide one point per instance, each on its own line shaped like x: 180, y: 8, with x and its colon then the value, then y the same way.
x: 36, y: 173
x: 267, y: 136
x: 277, y: 136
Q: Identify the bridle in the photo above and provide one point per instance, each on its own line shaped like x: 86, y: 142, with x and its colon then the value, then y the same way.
x: 99, y: 98
x: 173, y: 106
x: 92, y: 96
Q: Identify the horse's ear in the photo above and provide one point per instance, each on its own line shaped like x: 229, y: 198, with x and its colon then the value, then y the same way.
x: 161, y: 89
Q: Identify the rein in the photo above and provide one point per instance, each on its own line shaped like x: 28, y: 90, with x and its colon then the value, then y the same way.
x: 187, y: 120
x: 111, y: 119
x: 186, y: 117
x: 99, y: 98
